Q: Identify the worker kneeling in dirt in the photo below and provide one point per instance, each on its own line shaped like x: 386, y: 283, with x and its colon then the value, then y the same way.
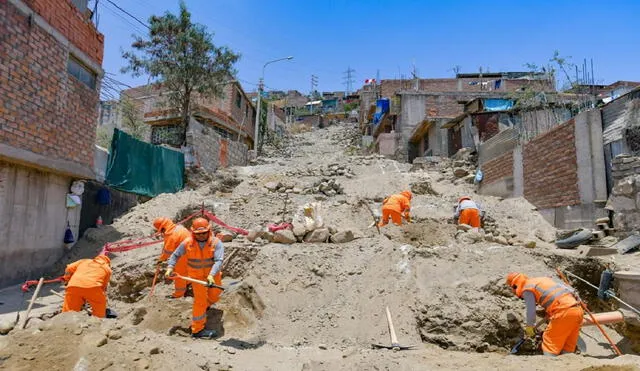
x: 395, y: 207
x: 561, y: 306
x: 173, y: 236
x: 468, y: 212
x: 87, y: 281
x: 204, y: 254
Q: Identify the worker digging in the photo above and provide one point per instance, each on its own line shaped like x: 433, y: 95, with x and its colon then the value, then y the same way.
x: 173, y: 236
x: 87, y: 282
x: 562, y: 309
x: 468, y: 212
x: 204, y: 254
x: 395, y: 208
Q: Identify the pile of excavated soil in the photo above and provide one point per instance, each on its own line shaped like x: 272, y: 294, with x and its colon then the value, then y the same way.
x: 321, y: 306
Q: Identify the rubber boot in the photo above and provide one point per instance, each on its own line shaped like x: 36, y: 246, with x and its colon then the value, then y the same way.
x: 205, y: 334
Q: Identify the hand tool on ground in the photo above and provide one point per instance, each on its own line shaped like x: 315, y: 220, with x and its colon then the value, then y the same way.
x: 155, y: 277
x: 33, y: 300
x: 394, y: 339
x: 521, y: 342
x: 376, y: 220
x: 227, y: 288
x: 593, y: 318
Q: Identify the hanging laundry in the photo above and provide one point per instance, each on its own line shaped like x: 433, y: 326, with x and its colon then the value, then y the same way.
x: 103, y: 197
x: 473, y: 83
x: 497, y: 84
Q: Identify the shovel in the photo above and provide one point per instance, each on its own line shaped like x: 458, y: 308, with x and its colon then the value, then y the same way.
x: 232, y: 286
x: 394, y: 339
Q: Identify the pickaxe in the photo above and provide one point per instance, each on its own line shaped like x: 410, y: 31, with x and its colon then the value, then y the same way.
x: 394, y: 339
x: 232, y: 285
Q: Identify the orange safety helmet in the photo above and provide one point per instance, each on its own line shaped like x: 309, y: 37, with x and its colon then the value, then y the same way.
x: 407, y: 194
x: 161, y: 223
x: 200, y: 225
x: 464, y: 198
x: 516, y: 281
x: 103, y: 258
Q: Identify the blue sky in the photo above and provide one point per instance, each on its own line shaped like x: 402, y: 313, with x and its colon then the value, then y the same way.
x: 327, y: 37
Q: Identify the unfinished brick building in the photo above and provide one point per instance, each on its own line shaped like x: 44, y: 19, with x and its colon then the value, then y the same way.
x: 50, y: 69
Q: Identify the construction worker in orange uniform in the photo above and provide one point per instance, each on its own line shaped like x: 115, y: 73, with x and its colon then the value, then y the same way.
x: 468, y: 212
x: 173, y: 235
x: 204, y: 254
x: 395, y: 207
x: 562, y: 309
x: 87, y: 281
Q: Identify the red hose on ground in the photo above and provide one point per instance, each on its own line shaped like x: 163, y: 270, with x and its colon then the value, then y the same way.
x: 224, y: 225
x: 25, y: 286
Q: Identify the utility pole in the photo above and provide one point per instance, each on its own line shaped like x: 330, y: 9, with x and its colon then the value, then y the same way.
x: 348, y: 79
x: 314, y: 83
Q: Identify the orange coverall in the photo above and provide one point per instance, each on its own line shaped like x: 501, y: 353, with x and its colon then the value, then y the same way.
x: 87, y: 281
x: 563, y: 310
x: 393, y: 207
x: 200, y: 264
x: 173, y: 236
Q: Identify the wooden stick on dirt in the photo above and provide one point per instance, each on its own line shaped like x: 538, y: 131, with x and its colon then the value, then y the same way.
x: 392, y: 332
x: 33, y: 300
x: 228, y: 259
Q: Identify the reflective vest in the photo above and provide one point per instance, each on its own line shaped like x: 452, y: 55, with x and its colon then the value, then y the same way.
x: 200, y: 260
x: 173, y: 239
x: 550, y: 294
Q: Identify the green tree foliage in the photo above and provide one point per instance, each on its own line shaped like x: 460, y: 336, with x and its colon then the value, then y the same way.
x: 132, y: 122
x: 180, y: 55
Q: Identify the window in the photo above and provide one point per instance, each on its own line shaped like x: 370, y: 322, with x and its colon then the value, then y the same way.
x: 81, y: 72
x: 238, y: 99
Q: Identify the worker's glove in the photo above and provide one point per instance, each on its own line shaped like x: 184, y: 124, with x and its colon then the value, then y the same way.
x: 168, y: 273
x: 407, y: 217
x: 530, y: 332
x: 210, y: 281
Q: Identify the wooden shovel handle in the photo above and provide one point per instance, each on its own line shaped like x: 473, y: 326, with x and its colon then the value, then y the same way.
x: 392, y: 330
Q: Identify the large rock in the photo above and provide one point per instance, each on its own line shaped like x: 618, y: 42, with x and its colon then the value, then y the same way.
x: 318, y: 235
x: 423, y: 188
x: 253, y: 234
x: 6, y: 326
x: 284, y: 236
x: 624, y: 187
x: 299, y: 229
x: 460, y: 172
x: 272, y: 186
x: 342, y: 237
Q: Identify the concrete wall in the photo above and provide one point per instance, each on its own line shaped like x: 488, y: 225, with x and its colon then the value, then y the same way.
x: 386, y: 143
x: 34, y: 215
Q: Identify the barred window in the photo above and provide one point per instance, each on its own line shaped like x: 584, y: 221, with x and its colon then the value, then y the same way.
x: 172, y: 135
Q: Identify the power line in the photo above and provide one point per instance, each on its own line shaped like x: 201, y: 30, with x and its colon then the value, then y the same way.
x: 314, y: 83
x: 129, y: 14
x: 133, y: 26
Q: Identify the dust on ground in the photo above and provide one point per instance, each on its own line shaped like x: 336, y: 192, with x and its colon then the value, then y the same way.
x: 320, y: 306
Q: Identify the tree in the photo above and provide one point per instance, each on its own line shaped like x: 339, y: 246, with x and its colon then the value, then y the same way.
x: 181, y: 56
x: 132, y: 122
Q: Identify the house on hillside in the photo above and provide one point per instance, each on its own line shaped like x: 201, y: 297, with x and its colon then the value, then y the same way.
x: 49, y: 95
x: 420, y: 107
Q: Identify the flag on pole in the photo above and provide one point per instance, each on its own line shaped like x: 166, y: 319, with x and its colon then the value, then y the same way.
x: 369, y: 81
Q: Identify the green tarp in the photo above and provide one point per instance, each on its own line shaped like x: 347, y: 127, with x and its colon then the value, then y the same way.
x: 142, y: 168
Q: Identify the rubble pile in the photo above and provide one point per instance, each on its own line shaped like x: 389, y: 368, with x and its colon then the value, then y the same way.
x: 326, y: 186
x: 365, y: 160
x: 349, y: 137
x: 332, y: 170
x: 462, y: 166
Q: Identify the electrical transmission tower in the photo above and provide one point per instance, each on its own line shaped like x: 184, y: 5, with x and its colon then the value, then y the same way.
x: 348, y: 79
x: 314, y: 83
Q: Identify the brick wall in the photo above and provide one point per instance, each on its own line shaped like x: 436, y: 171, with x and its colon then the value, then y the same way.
x: 498, y: 168
x: 389, y: 88
x: 44, y: 109
x: 550, y: 168
x: 70, y: 22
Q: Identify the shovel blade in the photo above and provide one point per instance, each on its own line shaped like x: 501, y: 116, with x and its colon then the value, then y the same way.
x: 516, y: 348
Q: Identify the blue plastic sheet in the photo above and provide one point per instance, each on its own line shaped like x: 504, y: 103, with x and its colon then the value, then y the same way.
x: 497, y: 104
